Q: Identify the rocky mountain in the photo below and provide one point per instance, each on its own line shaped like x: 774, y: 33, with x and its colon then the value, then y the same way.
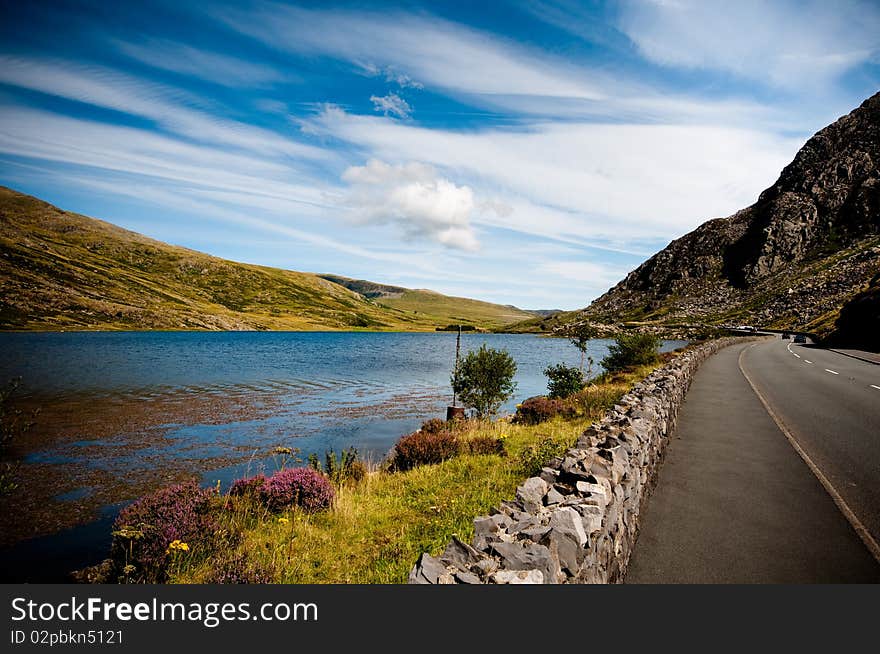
x: 61, y: 270
x: 793, y: 259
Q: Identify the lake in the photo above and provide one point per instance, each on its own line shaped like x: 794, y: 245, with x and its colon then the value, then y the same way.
x: 122, y: 413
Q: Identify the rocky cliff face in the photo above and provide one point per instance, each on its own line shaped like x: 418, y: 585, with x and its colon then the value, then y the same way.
x: 792, y: 259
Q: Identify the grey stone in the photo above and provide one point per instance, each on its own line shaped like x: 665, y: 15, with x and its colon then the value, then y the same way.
x: 567, y: 551
x: 528, y: 556
x: 518, y: 577
x: 529, y: 523
x: 550, y: 475
x: 553, y: 497
x: 566, y: 520
x: 486, y: 566
x: 467, y: 578
x: 492, y: 524
x: 531, y: 493
x: 459, y: 554
x: 428, y: 570
x: 535, y: 534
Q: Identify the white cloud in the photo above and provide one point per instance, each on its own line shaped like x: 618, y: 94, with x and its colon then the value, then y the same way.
x: 416, y: 198
x: 587, y: 180
x: 203, y: 64
x: 434, y: 51
x: 391, y: 104
x: 789, y: 44
x: 167, y: 107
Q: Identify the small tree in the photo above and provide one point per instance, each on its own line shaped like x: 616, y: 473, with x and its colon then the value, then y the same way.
x: 563, y: 380
x: 483, y: 380
x: 631, y: 350
x: 580, y: 335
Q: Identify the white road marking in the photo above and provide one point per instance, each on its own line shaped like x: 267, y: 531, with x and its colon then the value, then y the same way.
x: 831, y: 371
x: 797, y: 355
x: 807, y: 361
x: 877, y: 387
x: 860, y: 529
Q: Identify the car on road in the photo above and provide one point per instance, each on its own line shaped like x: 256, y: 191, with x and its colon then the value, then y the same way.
x: 800, y: 338
x: 786, y: 335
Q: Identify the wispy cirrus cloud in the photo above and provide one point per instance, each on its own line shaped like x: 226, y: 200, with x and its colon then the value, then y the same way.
x: 170, y: 108
x: 791, y: 44
x: 202, y: 64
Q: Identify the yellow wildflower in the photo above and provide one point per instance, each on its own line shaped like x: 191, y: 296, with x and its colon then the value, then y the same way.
x: 283, y: 521
x: 177, y: 546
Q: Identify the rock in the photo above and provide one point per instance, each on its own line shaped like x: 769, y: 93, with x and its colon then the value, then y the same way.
x: 531, y: 493
x: 535, y: 534
x: 428, y: 570
x: 553, y: 497
x: 566, y: 520
x: 467, y: 578
x: 528, y: 556
x: 486, y: 566
x: 567, y: 552
x: 550, y: 475
x: 459, y: 554
x: 491, y: 524
x: 518, y: 577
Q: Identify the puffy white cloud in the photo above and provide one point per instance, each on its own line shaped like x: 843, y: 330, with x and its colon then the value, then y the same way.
x: 414, y: 197
x: 391, y: 104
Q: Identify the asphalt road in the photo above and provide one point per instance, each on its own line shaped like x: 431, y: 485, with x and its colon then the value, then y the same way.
x: 735, y: 503
x: 830, y: 403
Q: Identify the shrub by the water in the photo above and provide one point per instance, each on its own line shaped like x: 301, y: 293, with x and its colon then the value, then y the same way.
x: 483, y: 379
x: 563, y: 380
x: 144, y: 531
x: 536, y: 410
x: 424, y: 448
x: 248, y: 486
x: 347, y: 467
x: 303, y: 487
x: 630, y: 350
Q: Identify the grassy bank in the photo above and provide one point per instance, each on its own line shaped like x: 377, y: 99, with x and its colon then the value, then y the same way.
x: 378, y: 526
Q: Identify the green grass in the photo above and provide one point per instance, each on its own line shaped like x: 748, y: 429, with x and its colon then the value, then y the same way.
x: 378, y: 527
x: 61, y: 270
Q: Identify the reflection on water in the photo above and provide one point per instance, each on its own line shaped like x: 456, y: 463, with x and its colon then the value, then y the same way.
x: 125, y: 412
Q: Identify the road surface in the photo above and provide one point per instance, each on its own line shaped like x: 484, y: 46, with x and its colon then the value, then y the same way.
x: 736, y: 503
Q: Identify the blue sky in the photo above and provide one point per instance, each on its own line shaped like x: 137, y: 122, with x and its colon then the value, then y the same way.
x: 529, y: 153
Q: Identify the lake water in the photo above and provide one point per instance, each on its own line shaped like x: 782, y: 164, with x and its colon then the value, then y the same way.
x: 125, y: 412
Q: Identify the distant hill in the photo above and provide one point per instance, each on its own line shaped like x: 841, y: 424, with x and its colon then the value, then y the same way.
x: 793, y: 259
x: 60, y: 270
x: 444, y: 309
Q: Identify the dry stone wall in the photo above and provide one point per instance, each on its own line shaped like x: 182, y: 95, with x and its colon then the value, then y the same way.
x: 577, y: 522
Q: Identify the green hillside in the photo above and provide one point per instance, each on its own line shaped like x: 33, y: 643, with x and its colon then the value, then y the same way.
x: 61, y: 270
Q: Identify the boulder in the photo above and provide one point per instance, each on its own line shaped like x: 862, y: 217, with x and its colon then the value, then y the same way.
x: 531, y: 494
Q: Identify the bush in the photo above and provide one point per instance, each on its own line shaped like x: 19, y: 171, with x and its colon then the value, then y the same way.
x: 630, y: 350
x: 483, y: 380
x: 537, y: 455
x: 303, y: 487
x: 435, y: 425
x: 346, y: 468
x: 563, y: 380
x: 536, y: 410
x: 424, y: 448
x: 144, y: 530
x: 485, y: 445
x: 247, y: 487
